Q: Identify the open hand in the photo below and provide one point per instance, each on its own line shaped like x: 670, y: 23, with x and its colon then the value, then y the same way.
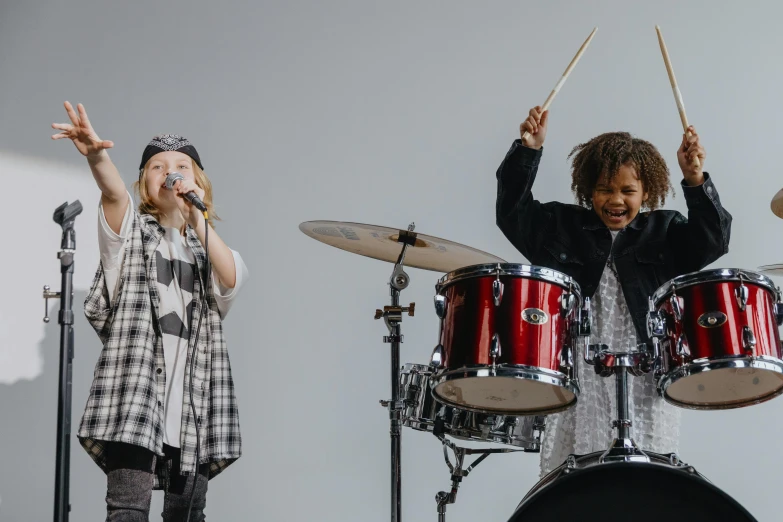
x: 80, y: 131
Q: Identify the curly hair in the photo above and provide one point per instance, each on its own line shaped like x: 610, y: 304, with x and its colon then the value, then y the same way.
x: 601, y: 157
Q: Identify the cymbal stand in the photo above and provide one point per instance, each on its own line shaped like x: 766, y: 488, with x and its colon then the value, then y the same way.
x: 392, y: 316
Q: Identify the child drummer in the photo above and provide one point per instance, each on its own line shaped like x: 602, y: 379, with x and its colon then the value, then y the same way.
x: 620, y: 247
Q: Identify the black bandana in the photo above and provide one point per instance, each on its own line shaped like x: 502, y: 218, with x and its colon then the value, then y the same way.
x: 166, y: 142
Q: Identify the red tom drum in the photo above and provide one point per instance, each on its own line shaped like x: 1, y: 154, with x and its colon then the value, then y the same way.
x: 718, y: 338
x: 507, y: 339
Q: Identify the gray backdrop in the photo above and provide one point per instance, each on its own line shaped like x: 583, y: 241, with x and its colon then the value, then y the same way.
x: 374, y: 112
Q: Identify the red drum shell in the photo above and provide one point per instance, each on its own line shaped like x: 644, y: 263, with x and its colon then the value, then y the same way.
x: 528, y: 374
x: 714, y: 370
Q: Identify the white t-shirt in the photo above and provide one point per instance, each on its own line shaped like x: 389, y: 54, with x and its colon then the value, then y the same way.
x: 176, y: 268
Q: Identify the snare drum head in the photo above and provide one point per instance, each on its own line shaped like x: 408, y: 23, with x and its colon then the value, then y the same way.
x: 641, y: 492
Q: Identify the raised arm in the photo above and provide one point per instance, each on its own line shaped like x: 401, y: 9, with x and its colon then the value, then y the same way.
x: 704, y: 236
x: 114, y: 195
x: 518, y: 214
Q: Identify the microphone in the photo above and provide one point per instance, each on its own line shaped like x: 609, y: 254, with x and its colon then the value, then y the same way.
x: 191, y: 196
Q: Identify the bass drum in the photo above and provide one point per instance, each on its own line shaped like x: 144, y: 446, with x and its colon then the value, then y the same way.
x: 663, y: 489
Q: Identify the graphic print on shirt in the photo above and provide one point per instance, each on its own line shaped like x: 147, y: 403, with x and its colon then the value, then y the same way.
x: 175, y: 276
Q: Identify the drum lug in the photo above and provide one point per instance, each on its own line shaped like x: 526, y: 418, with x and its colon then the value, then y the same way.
x: 674, y: 460
x: 567, y: 303
x: 488, y: 426
x: 495, y: 351
x: 741, y: 293
x: 779, y: 313
x: 567, y: 357
x: 539, y: 426
x: 683, y: 350
x: 570, y: 462
x: 676, y: 308
x: 440, y: 306
x: 538, y: 433
x: 497, y: 291
x: 585, y: 319
x: 436, y: 361
x: 655, y: 357
x: 656, y: 327
x: 748, y: 340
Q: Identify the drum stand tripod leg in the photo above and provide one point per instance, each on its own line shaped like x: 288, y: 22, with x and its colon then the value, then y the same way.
x: 457, y: 473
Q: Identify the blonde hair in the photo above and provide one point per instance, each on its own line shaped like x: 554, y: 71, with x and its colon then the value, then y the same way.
x: 146, y: 206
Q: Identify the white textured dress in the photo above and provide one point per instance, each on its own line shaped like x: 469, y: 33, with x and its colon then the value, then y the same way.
x: 587, y: 426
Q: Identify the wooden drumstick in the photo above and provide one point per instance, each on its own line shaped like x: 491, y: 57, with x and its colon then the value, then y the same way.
x: 565, y: 76
x: 675, y: 89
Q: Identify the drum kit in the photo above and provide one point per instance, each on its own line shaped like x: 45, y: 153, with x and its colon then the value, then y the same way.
x: 510, y: 339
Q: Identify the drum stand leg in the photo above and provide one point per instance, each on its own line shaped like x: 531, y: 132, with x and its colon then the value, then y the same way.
x: 620, y: 364
x: 623, y: 447
x: 457, y: 473
x: 392, y: 316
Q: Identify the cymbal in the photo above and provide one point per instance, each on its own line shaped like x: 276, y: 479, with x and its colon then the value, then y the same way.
x: 428, y: 252
x: 777, y: 204
x: 776, y: 270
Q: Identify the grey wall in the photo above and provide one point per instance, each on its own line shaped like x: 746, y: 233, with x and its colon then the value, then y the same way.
x: 371, y: 112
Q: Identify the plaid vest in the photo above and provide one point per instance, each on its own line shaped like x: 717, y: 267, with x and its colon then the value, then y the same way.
x: 125, y: 403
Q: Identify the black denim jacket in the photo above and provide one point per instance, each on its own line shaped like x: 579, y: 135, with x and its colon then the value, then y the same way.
x: 654, y: 248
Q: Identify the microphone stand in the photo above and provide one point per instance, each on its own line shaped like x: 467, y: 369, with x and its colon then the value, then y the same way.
x: 64, y: 216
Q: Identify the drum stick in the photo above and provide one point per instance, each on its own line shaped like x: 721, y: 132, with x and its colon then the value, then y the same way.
x: 675, y: 89
x: 563, y: 78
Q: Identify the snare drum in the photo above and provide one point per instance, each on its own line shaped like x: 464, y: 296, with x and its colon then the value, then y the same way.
x: 507, y: 339
x: 719, y: 340
x: 422, y: 412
